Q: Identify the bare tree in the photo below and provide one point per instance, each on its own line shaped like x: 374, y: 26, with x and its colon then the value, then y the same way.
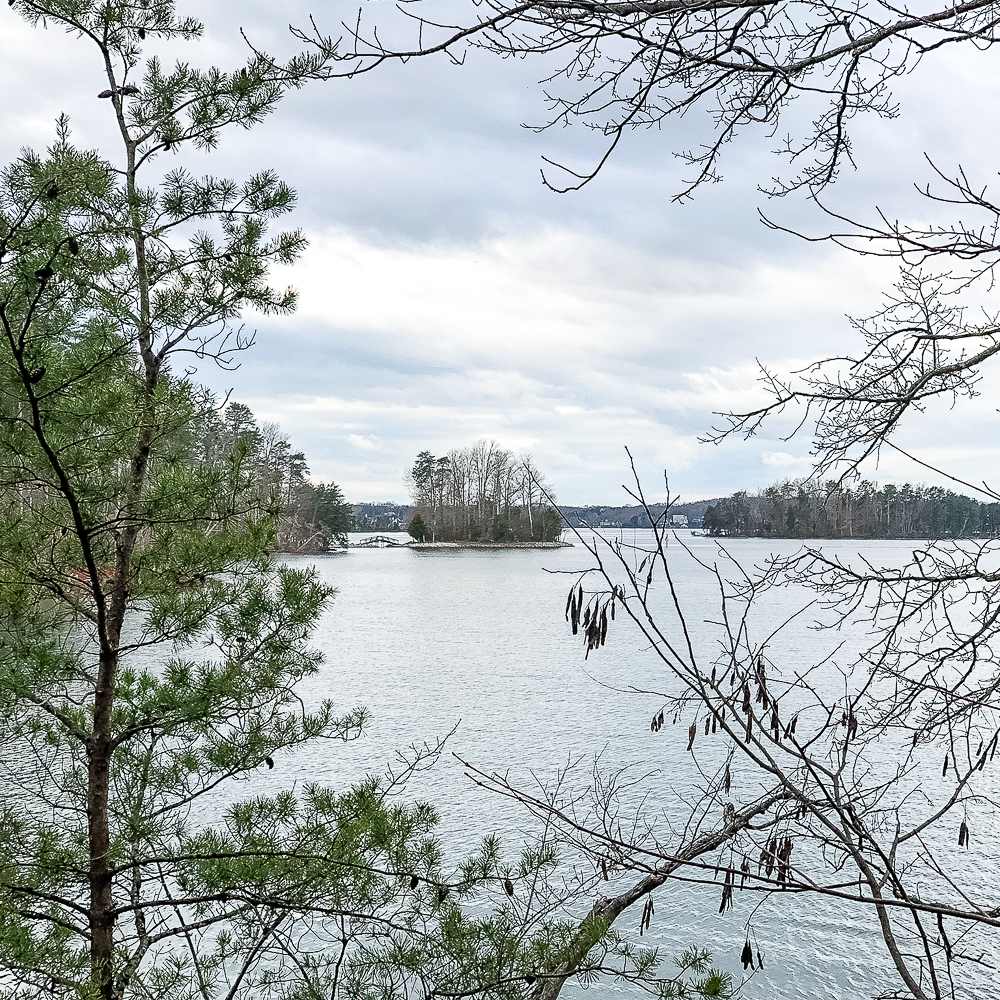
x: 621, y: 66
x: 874, y: 757
x: 856, y: 775
x: 482, y: 493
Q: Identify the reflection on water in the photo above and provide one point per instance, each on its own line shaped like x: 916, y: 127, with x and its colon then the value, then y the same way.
x: 427, y: 640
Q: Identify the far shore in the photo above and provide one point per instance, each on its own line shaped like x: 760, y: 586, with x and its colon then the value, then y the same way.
x: 488, y: 545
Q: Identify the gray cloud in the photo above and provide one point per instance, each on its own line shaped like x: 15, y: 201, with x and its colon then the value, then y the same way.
x: 448, y: 296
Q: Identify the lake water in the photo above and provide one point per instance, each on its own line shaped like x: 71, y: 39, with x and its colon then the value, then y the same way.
x: 428, y: 640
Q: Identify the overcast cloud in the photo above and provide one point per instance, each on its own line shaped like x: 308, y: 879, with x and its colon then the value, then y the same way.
x: 447, y: 296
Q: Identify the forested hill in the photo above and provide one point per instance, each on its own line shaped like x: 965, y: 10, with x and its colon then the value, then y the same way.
x: 804, y: 509
x: 634, y: 516
x: 395, y: 517
x: 312, y: 517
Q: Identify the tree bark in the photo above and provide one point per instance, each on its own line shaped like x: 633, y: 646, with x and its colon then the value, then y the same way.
x: 611, y: 907
x: 101, y: 913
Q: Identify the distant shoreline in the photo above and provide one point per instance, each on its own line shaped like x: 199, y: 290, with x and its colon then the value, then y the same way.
x: 489, y: 545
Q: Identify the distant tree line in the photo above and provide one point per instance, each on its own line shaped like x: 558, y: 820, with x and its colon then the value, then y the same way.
x: 634, y: 516
x: 312, y: 516
x: 381, y: 516
x: 483, y: 493
x: 806, y: 509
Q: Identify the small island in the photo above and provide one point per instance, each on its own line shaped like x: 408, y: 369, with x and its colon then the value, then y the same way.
x: 481, y: 497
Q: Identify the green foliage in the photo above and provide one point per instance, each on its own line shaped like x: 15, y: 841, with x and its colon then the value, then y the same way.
x: 550, y: 525
x: 150, y: 650
x: 333, y: 511
x: 121, y: 536
x: 807, y: 509
x: 697, y: 978
x: 417, y: 528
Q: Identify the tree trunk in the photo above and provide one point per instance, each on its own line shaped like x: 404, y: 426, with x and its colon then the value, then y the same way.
x: 101, y: 913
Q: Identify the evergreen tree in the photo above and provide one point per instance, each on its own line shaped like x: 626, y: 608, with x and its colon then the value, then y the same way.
x: 121, y: 871
x: 149, y: 650
x: 333, y: 512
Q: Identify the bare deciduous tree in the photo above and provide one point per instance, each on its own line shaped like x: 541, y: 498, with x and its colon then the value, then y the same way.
x: 623, y: 65
x: 875, y: 756
x: 857, y: 775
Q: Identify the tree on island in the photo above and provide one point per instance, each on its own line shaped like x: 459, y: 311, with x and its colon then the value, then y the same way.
x: 150, y: 649
x: 483, y: 494
x: 417, y: 529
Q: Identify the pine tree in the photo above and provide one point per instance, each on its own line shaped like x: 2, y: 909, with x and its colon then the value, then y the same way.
x: 122, y: 537
x: 333, y: 512
x: 149, y: 649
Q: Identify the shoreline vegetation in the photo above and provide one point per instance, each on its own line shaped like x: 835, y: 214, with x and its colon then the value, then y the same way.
x: 424, y: 546
x: 805, y: 508
x: 384, y: 542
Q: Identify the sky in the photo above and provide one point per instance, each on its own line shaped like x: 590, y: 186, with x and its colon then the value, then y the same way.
x: 447, y: 295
